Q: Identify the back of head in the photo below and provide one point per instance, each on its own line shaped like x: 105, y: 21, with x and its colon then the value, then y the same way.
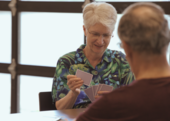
x: 103, y: 13
x: 144, y: 27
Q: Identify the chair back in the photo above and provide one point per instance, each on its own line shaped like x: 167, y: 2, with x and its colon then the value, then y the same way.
x: 45, y: 101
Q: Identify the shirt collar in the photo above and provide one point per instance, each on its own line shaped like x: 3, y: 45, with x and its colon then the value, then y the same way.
x: 107, y: 55
x: 80, y: 57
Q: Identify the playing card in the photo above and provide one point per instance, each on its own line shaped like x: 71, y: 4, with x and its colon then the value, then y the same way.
x: 89, y: 93
x: 99, y: 87
x: 86, y: 77
x: 95, y: 87
x: 92, y: 90
x: 106, y: 88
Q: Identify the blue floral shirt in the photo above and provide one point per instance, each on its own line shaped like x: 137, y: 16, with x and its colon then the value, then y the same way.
x: 112, y: 70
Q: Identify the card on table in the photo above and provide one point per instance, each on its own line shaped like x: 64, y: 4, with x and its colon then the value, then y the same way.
x: 86, y: 77
x: 89, y: 93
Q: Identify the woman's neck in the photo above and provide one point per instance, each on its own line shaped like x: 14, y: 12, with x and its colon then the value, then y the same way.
x: 93, y: 58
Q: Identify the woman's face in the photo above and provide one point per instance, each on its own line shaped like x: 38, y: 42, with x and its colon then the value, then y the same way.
x: 97, y: 38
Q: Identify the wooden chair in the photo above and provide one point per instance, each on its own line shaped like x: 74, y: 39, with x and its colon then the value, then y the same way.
x: 45, y: 101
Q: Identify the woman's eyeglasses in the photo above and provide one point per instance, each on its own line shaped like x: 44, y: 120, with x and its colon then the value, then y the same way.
x: 97, y: 35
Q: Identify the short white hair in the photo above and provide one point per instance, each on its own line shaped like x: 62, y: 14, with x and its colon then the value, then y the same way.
x: 103, y: 13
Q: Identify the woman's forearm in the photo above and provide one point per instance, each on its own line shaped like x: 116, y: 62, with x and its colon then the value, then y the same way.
x: 66, y: 102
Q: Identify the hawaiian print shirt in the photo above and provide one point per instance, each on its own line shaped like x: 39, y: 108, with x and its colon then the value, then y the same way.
x: 112, y: 70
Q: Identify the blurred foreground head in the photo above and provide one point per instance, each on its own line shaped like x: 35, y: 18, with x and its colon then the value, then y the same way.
x: 145, y: 29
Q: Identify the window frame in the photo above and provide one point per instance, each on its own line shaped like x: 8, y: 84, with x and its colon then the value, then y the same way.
x: 65, y: 7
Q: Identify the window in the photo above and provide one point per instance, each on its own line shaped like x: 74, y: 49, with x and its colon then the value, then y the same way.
x: 30, y: 86
x: 48, y: 36
x: 5, y: 93
x: 5, y: 38
x: 35, y: 38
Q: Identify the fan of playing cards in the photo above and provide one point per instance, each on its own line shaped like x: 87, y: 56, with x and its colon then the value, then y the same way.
x: 91, y: 92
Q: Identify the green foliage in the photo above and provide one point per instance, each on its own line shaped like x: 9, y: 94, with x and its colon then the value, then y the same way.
x: 59, y: 72
x: 123, y: 71
x: 68, y: 58
x: 112, y: 80
x: 58, y: 66
x: 114, y: 83
x: 54, y: 92
x: 97, y: 80
x: 101, y: 65
x: 78, y: 66
x: 92, y: 83
x: 106, y: 74
x: 117, y: 60
x: 114, y: 67
x: 108, y: 68
x: 71, y: 56
x: 65, y: 74
x: 123, y: 75
x: 94, y: 72
x: 62, y: 95
x: 129, y: 78
x: 119, y: 74
x: 59, y: 69
x: 124, y: 65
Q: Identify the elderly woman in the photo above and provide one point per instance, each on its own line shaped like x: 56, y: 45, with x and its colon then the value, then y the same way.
x: 107, y: 66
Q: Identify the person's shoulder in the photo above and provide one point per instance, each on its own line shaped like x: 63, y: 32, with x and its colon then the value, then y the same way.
x: 126, y: 91
x: 116, y: 53
x: 67, y: 58
x: 119, y: 98
x: 117, y: 56
x: 69, y: 55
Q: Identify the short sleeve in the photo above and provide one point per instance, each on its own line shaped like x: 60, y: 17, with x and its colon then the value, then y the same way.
x: 59, y: 86
x: 126, y: 76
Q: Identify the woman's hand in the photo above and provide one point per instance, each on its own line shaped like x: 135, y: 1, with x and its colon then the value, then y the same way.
x: 74, y: 83
x: 69, y: 100
x: 100, y: 93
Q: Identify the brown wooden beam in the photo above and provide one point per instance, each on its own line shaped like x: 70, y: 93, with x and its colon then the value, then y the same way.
x: 4, y: 68
x: 69, y: 7
x: 35, y: 70
x: 4, y: 5
x: 14, y: 95
x: 14, y: 82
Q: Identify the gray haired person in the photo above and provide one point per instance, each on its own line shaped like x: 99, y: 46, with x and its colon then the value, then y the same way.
x: 107, y: 66
x: 145, y: 37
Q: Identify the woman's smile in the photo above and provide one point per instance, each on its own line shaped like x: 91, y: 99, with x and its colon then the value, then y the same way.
x: 99, y: 46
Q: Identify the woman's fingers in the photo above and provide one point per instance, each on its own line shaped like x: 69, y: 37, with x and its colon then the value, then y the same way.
x: 96, y: 97
x: 76, y: 84
x: 73, y: 82
x: 74, y: 79
x: 102, y: 92
x: 70, y: 76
